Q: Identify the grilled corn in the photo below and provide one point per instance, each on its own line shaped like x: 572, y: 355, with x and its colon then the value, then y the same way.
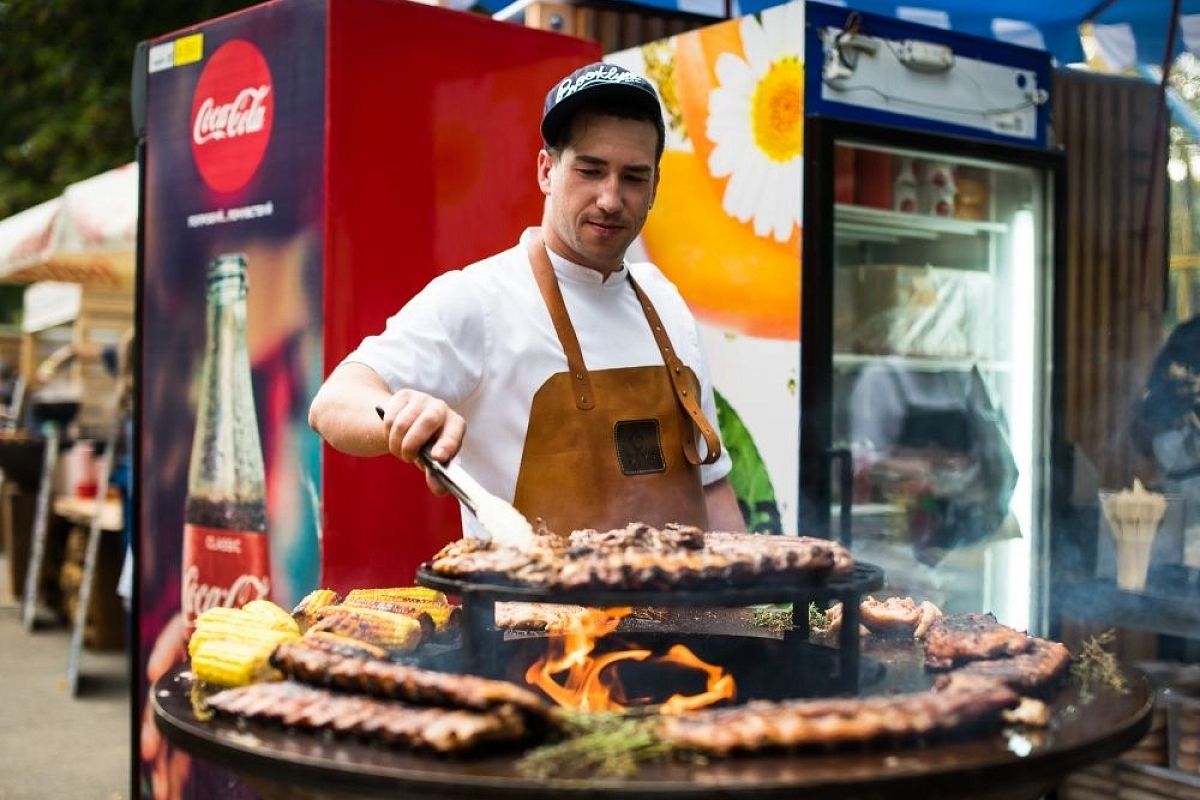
x: 443, y: 615
x: 231, y: 632
x: 230, y: 663
x: 305, y: 612
x: 235, y: 616
x: 380, y: 628
x: 271, y: 615
x: 399, y: 594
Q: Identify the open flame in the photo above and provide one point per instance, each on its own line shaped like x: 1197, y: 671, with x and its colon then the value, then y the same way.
x: 588, y: 685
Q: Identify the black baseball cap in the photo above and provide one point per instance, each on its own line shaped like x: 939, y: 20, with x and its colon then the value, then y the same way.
x: 594, y: 82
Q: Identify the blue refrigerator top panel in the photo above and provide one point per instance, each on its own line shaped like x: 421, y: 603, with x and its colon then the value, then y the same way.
x: 879, y: 70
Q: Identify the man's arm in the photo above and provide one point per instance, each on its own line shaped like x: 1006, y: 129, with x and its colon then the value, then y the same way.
x: 344, y: 414
x: 723, y: 511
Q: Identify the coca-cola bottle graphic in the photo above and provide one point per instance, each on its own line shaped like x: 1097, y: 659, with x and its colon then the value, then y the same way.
x: 225, y: 554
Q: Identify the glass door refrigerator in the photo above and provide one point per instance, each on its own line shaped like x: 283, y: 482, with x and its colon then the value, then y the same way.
x: 863, y: 214
x: 930, y: 310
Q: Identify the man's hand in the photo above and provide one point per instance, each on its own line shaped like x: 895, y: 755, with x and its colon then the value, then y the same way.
x: 412, y: 419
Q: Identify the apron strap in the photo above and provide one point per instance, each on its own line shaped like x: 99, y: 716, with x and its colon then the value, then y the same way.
x: 677, y: 371
x: 543, y: 273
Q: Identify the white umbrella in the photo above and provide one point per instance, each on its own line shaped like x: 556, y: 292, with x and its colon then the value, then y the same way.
x: 86, y: 235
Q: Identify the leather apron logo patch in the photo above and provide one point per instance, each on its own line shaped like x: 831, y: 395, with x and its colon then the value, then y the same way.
x: 639, y: 446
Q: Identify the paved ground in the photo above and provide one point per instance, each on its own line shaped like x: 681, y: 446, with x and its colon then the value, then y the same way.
x: 53, y: 746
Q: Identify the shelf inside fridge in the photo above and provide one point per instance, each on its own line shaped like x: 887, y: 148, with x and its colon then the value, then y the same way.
x: 863, y: 223
x: 917, y: 363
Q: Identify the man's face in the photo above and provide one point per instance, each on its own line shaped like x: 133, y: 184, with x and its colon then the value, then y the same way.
x: 599, y: 189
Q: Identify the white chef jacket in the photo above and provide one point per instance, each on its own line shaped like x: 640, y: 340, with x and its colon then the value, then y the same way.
x: 481, y: 339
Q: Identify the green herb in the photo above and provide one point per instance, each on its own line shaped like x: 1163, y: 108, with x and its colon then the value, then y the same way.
x: 817, y: 618
x: 776, y: 619
x: 198, y: 694
x: 749, y: 479
x: 1097, y: 668
x: 608, y: 745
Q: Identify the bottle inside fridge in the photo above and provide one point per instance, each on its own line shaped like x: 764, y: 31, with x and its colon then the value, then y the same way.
x: 940, y: 377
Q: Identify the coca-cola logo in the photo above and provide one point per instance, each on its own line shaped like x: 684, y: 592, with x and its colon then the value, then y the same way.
x: 199, y: 597
x: 232, y: 110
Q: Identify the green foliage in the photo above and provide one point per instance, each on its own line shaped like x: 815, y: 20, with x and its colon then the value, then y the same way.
x: 66, y: 68
x: 749, y: 478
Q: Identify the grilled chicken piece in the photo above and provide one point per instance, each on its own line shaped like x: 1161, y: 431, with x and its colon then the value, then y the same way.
x: 958, y: 638
x: 552, y: 617
x: 962, y: 702
x: 894, y: 617
x: 298, y: 706
x: 1030, y: 672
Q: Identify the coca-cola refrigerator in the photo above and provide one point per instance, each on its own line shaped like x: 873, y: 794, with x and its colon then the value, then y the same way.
x: 343, y: 153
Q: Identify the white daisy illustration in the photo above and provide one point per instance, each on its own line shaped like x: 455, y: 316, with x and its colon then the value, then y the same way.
x: 755, y: 119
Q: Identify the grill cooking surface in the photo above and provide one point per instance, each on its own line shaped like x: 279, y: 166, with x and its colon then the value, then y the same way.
x: 1079, y: 734
x: 864, y: 578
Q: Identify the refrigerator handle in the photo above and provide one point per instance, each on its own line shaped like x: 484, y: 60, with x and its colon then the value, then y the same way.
x: 846, y: 490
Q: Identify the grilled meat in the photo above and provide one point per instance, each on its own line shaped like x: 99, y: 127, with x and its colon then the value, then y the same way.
x: 1029, y: 672
x: 1031, y: 713
x: 553, y: 617
x: 639, y: 536
x: 482, y: 560
x: 642, y: 557
x: 897, y: 617
x: 962, y: 702
x: 957, y: 638
x: 298, y: 706
x: 400, y: 682
x: 342, y: 645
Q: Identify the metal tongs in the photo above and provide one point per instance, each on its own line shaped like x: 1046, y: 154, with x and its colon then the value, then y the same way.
x: 503, y: 523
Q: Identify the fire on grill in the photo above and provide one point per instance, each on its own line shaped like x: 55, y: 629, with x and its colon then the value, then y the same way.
x: 590, y: 683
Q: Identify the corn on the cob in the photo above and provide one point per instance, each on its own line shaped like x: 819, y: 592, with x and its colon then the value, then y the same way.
x: 271, y: 615
x: 234, y: 616
x: 400, y: 594
x: 380, y: 628
x: 443, y: 615
x: 305, y: 612
x: 231, y: 632
x: 229, y: 663
x: 342, y: 645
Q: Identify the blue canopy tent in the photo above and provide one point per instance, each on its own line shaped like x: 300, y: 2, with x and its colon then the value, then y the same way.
x: 1129, y: 31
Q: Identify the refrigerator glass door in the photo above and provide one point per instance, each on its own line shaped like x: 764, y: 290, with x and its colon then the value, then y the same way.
x: 940, y: 353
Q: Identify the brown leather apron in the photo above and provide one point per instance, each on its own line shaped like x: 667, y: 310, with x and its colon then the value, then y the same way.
x: 608, y: 447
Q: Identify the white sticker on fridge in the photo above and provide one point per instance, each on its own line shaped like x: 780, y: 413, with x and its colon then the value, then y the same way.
x: 162, y: 56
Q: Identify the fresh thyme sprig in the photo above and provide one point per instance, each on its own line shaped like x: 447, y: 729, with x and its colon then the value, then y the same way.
x: 1097, y: 668
x: 604, y: 744
x: 776, y: 619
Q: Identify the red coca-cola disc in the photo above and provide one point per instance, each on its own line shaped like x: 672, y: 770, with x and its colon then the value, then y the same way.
x: 232, y: 110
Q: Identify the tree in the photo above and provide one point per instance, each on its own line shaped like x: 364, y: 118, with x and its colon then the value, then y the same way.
x: 66, y: 69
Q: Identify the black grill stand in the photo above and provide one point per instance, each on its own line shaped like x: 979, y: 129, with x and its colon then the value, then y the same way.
x: 481, y: 639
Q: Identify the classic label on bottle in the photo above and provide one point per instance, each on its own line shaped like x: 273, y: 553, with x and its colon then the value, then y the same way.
x: 222, y: 568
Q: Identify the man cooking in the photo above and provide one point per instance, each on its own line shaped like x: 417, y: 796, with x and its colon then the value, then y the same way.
x: 561, y: 376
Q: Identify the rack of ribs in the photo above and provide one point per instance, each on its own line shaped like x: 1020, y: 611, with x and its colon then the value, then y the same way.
x: 387, y: 679
x: 641, y: 557
x: 962, y: 702
x: 295, y: 705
